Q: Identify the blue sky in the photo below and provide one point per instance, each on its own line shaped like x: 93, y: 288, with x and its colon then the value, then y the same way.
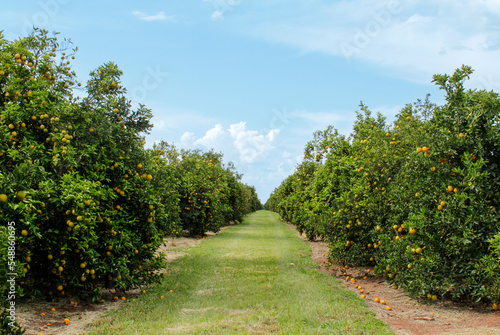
x: 254, y: 79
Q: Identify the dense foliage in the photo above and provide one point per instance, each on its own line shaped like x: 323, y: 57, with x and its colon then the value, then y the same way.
x: 418, y: 199
x: 90, y: 204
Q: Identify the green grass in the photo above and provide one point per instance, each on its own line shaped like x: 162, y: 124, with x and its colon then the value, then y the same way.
x: 253, y: 278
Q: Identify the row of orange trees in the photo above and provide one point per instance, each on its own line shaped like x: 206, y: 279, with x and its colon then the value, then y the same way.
x: 89, y: 204
x: 418, y: 199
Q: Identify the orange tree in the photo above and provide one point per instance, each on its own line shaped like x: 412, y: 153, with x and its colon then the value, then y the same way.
x: 75, y: 177
x: 419, y: 199
x: 450, y: 186
x: 211, y: 195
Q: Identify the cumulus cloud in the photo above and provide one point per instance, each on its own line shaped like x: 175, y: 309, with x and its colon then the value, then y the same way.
x: 187, y: 139
x: 212, y: 137
x: 157, y: 17
x: 237, y: 143
x: 251, y: 145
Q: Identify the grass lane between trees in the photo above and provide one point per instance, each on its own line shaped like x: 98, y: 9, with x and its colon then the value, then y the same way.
x: 253, y: 278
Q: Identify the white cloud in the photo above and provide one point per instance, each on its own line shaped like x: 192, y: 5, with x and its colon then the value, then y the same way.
x: 187, y: 139
x: 157, y: 17
x: 212, y: 137
x: 216, y: 15
x: 238, y: 144
x: 411, y: 39
x: 250, y: 145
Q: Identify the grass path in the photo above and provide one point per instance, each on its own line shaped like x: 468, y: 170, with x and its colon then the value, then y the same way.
x: 253, y: 278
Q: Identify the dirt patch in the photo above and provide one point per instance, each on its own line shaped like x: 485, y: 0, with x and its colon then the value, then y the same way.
x: 408, y: 316
x: 39, y: 318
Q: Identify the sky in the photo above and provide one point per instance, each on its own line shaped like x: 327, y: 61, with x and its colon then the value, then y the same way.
x: 254, y: 79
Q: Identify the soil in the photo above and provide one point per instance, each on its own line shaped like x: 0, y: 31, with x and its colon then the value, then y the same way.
x: 38, y: 317
x: 407, y: 316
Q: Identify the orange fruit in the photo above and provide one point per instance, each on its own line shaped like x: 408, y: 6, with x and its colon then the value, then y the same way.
x: 388, y: 308
x: 495, y: 307
x: 450, y: 188
x: 382, y: 302
x: 21, y: 195
x: 377, y: 300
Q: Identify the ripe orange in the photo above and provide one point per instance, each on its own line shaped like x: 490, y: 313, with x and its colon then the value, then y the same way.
x: 377, y: 300
x: 388, y: 308
x: 450, y: 188
x: 495, y: 307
